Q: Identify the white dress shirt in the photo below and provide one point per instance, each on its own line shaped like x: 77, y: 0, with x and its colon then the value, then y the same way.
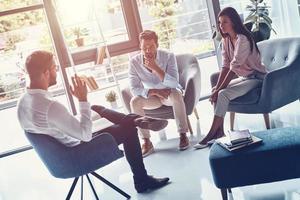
x: 141, y: 79
x: 39, y: 113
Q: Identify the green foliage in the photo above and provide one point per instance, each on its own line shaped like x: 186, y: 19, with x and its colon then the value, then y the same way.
x: 11, y: 40
x: 20, y: 20
x: 10, y: 87
x: 166, y: 27
x: 258, y: 14
x: 111, y: 96
x: 11, y: 25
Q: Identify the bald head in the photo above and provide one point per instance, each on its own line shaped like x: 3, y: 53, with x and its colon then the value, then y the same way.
x: 37, y: 63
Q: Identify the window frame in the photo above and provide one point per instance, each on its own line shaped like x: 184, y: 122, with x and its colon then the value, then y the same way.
x: 133, y: 27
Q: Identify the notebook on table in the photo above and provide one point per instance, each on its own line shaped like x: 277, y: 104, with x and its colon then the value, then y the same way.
x: 239, y: 136
x: 226, y: 143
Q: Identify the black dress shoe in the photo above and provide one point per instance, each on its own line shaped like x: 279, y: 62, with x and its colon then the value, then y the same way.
x: 150, y: 183
x: 154, y: 124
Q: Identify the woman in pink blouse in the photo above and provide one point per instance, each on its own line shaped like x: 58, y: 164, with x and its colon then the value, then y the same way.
x: 240, y: 57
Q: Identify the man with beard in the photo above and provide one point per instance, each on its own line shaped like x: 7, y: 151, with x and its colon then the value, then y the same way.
x: 154, y: 82
x: 39, y: 113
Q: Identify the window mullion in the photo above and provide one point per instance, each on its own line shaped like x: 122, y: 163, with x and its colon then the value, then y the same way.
x: 19, y: 10
x: 61, y: 49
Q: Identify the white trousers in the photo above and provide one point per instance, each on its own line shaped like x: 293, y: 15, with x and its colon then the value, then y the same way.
x: 175, y: 99
x: 236, y: 88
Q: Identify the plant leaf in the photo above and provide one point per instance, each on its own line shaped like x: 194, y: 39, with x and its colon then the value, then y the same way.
x: 274, y: 30
x: 267, y: 19
x: 251, y: 19
x: 249, y: 16
x: 214, y: 35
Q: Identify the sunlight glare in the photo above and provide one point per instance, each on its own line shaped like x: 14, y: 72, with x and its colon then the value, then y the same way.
x: 73, y: 12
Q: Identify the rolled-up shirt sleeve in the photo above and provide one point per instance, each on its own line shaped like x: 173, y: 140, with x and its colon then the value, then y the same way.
x: 225, y: 57
x: 171, y: 74
x: 136, y: 86
x: 241, y: 53
x: 79, y: 127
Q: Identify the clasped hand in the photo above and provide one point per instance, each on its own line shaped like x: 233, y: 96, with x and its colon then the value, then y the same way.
x: 214, y: 95
x: 79, y: 89
x: 160, y: 93
x: 150, y: 63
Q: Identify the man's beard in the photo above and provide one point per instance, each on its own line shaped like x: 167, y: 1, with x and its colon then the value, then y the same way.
x: 52, y: 82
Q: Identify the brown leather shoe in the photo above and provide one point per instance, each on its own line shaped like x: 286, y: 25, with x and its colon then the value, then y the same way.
x: 147, y: 149
x: 184, y: 142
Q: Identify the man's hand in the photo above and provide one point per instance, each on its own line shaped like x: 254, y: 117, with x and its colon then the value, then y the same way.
x: 151, y: 64
x: 160, y: 93
x: 79, y: 89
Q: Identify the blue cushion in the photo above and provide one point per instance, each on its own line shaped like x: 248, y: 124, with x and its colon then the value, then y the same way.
x: 67, y: 162
x: 274, y: 160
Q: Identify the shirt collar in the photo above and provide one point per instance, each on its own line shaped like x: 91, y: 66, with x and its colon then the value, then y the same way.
x: 39, y: 91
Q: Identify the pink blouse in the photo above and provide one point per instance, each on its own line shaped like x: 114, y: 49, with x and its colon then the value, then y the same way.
x: 240, y: 59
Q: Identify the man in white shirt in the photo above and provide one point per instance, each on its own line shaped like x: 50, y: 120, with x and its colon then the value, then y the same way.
x: 154, y: 82
x: 38, y: 113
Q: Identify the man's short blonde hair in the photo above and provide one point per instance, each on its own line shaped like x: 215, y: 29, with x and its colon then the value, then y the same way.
x: 38, y: 62
x: 148, y: 35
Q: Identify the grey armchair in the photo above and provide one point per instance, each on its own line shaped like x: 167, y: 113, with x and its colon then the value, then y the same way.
x: 281, y: 85
x: 189, y: 79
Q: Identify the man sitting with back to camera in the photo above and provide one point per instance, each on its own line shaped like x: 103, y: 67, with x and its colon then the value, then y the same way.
x: 39, y: 113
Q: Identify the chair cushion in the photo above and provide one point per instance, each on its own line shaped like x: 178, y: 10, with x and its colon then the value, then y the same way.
x: 67, y: 162
x: 251, y: 97
x: 274, y: 160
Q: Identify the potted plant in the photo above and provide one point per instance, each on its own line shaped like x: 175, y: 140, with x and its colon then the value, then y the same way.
x: 258, y: 20
x: 111, y: 97
x: 79, y: 33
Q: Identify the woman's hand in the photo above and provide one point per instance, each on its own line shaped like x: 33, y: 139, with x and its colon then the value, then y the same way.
x: 214, y: 96
x: 213, y: 89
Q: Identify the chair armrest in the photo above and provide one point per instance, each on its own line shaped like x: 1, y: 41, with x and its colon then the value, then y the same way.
x: 281, y: 86
x: 100, y: 151
x: 192, y: 88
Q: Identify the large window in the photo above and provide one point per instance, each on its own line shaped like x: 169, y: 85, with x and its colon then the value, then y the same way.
x: 92, y: 23
x: 22, y: 30
x: 20, y: 34
x: 182, y: 26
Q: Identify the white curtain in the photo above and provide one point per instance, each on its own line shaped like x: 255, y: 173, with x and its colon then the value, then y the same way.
x: 286, y: 18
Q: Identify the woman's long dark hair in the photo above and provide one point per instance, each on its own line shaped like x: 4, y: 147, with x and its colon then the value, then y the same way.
x: 237, y: 24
